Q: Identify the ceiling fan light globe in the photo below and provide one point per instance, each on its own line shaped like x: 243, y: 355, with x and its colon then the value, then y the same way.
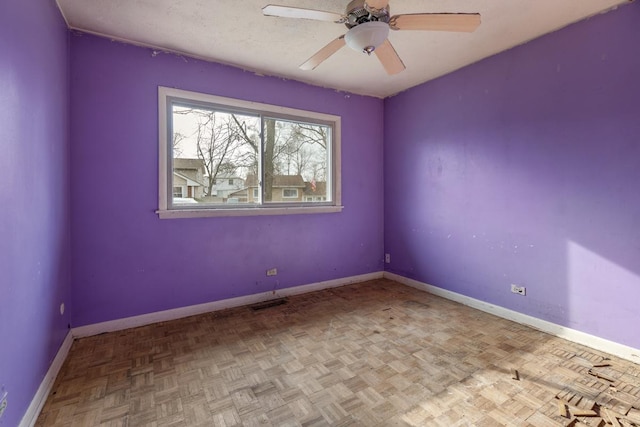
x: 367, y: 36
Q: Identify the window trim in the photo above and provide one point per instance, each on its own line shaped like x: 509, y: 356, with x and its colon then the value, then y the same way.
x: 165, y: 95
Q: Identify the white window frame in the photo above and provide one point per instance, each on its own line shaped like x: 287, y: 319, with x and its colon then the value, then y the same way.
x: 166, y: 211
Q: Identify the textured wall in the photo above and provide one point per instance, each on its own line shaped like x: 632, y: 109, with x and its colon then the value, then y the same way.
x: 125, y: 258
x: 525, y: 168
x: 34, y: 195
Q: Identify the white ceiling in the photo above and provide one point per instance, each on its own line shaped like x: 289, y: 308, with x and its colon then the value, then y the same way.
x: 235, y: 32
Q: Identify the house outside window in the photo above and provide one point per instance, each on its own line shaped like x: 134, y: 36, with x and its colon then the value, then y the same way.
x: 272, y: 160
x: 187, y: 180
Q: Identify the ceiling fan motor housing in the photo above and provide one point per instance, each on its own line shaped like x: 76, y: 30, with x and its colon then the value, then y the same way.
x: 358, y: 14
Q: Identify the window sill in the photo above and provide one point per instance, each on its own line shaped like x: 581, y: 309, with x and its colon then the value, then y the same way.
x: 206, y: 213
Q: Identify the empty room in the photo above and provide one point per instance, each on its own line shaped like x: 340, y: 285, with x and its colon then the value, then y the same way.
x: 344, y: 213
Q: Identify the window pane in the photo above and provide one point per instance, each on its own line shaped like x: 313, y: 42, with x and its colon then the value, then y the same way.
x: 214, y: 155
x: 220, y: 153
x: 296, y: 161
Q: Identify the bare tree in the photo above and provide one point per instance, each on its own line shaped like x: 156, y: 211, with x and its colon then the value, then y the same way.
x: 312, y: 134
x: 219, y: 144
x: 311, y: 153
x: 269, y: 147
x: 290, y: 148
x: 177, y: 148
x: 296, y: 156
x: 270, y: 139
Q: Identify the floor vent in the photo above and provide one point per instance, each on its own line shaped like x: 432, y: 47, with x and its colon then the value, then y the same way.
x: 268, y: 304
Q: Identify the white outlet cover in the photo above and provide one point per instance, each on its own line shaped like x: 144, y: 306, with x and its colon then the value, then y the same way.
x: 272, y: 272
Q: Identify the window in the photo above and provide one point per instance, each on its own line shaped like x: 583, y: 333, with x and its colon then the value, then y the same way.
x: 290, y: 193
x: 280, y: 154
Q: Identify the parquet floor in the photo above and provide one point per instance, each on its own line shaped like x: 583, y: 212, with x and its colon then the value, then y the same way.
x: 371, y: 354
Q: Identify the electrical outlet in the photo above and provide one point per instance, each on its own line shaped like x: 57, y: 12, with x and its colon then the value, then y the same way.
x: 3, y: 403
x: 387, y: 258
x: 272, y: 272
x: 520, y: 290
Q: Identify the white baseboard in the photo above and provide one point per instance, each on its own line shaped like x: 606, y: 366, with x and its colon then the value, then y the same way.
x: 611, y: 347
x: 177, y: 313
x: 31, y: 416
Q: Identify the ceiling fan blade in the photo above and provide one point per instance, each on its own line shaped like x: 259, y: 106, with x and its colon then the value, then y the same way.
x: 323, y: 54
x: 463, y: 22
x: 375, y: 5
x: 389, y: 58
x: 297, y: 12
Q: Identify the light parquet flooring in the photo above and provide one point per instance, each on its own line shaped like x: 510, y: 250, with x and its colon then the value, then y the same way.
x: 370, y: 354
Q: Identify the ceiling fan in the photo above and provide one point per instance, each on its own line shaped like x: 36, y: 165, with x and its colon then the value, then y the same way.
x: 369, y: 22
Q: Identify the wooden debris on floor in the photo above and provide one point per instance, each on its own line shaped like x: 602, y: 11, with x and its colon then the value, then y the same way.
x: 634, y: 415
x: 596, y: 415
x: 601, y: 376
x: 563, y: 410
x: 605, y: 410
x: 515, y: 375
x: 601, y: 365
x: 610, y: 417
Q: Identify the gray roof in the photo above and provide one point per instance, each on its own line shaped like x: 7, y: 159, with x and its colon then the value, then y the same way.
x: 188, y: 178
x: 194, y: 164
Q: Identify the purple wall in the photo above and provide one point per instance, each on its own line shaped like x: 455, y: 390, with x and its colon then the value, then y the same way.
x: 525, y: 168
x: 34, y: 219
x: 128, y: 262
